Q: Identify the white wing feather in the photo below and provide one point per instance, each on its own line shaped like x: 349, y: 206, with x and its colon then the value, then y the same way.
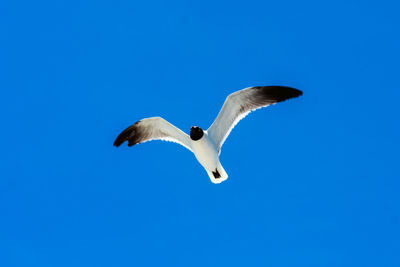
x: 239, y: 104
x: 154, y: 128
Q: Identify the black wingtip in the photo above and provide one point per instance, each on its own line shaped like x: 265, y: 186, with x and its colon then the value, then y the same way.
x: 126, y: 136
x: 279, y: 93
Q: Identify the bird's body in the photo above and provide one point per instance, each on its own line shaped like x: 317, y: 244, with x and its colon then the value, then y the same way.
x: 206, y: 144
x: 206, y: 153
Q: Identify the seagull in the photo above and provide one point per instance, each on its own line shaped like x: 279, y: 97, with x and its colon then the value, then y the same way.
x: 206, y: 144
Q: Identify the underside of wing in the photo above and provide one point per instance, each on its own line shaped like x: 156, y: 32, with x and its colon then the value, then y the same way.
x: 237, y: 105
x: 155, y: 128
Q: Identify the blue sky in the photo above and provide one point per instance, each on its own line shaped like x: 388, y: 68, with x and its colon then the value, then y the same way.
x: 312, y: 182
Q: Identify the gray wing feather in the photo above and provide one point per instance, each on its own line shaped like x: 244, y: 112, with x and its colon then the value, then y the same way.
x: 237, y: 105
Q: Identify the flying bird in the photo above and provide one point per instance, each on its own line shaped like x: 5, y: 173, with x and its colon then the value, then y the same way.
x: 206, y: 144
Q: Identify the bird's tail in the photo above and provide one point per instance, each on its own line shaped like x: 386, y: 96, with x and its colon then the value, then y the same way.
x: 217, y: 175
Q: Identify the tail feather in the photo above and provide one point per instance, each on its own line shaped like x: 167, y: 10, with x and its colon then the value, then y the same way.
x: 218, y: 175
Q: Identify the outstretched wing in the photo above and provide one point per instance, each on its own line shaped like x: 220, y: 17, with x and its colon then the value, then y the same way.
x: 154, y: 128
x: 237, y: 105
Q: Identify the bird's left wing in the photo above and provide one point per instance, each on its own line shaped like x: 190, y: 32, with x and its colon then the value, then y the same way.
x: 154, y: 128
x: 237, y: 105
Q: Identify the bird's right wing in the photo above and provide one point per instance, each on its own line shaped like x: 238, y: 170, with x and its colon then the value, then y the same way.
x: 238, y: 104
x: 154, y: 128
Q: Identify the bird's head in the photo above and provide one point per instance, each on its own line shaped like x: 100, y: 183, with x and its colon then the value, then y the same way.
x: 196, y: 133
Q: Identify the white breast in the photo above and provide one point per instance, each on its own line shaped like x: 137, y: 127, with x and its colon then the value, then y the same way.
x: 206, y: 152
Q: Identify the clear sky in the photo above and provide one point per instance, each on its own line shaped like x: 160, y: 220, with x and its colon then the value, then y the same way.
x: 313, y: 181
